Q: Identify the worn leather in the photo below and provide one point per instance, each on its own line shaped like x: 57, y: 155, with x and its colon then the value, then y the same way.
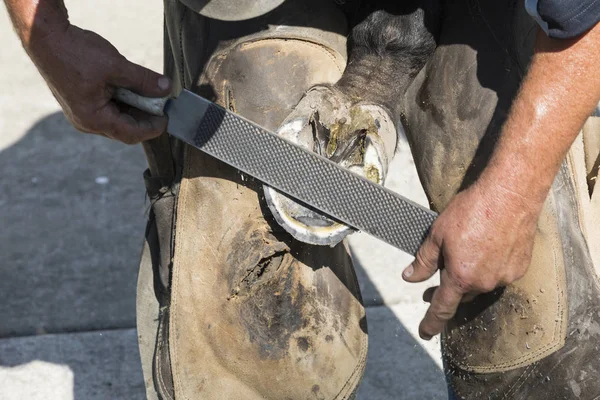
x: 540, y: 335
x: 569, y: 372
x: 248, y: 312
x: 153, y: 298
x: 522, y: 323
x: 255, y: 315
x: 584, y: 160
x: 591, y: 138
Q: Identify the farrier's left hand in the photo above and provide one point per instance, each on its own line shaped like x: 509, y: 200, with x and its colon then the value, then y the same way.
x: 481, y: 241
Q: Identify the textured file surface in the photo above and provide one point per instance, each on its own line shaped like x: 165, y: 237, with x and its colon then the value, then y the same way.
x: 311, y: 178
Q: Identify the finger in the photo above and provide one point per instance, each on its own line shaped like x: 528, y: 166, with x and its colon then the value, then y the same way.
x: 428, y: 293
x: 140, y: 80
x: 444, y: 302
x: 130, y: 127
x: 425, y: 263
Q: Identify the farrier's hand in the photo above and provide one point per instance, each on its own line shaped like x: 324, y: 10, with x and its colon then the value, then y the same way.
x: 482, y: 240
x: 485, y: 236
x: 83, y: 70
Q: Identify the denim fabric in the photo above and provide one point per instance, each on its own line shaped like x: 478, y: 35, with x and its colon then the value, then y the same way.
x: 564, y: 19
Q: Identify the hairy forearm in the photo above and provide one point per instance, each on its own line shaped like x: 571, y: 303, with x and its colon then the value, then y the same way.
x: 36, y: 19
x: 559, y: 92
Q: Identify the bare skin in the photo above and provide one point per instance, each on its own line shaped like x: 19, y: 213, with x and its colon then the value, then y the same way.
x: 83, y: 69
x: 484, y: 238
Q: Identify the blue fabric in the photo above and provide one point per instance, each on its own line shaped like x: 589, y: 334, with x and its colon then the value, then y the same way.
x: 564, y: 19
x: 531, y: 7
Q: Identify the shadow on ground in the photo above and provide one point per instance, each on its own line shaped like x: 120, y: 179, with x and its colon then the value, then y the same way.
x: 72, y: 210
x: 397, y: 366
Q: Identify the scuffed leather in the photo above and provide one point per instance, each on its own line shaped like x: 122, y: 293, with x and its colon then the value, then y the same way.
x: 525, y: 341
x: 521, y: 324
x: 256, y: 315
x: 250, y: 313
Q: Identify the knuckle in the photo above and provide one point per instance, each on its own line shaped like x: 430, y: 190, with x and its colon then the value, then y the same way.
x: 127, y: 139
x: 518, y: 275
x: 422, y: 260
x: 117, y: 61
x: 514, y: 276
x: 83, y: 121
x: 463, y: 278
x: 487, y: 285
x: 153, y: 133
x: 95, y: 124
x: 471, y: 280
x: 124, y: 135
x: 98, y: 123
x: 441, y: 315
x: 115, y: 130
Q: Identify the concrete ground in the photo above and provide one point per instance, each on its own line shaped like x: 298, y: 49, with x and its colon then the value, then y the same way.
x: 72, y: 214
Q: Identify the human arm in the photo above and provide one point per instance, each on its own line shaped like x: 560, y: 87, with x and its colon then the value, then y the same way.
x: 485, y: 235
x: 82, y: 70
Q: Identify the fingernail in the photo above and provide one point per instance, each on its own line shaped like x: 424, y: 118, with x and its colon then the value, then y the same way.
x: 426, y: 337
x: 164, y: 83
x: 408, y: 271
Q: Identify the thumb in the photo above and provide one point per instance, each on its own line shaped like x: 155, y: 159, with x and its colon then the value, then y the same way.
x: 141, y: 80
x: 426, y: 262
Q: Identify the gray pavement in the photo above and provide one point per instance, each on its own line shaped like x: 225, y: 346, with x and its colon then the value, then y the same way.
x: 98, y: 365
x: 72, y: 213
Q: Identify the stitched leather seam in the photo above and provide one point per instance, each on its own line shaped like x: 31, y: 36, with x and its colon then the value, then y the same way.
x: 594, y: 282
x: 342, y: 395
x: 161, y: 382
x: 518, y: 382
x: 539, y: 353
x: 523, y: 378
x: 364, y: 347
x: 181, y: 55
x: 580, y: 209
x: 577, y: 188
x: 175, y: 278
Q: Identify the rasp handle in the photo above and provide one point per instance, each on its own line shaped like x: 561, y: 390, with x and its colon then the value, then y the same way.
x: 151, y: 105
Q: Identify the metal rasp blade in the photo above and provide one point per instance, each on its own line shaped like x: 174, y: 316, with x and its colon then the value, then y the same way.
x: 298, y: 172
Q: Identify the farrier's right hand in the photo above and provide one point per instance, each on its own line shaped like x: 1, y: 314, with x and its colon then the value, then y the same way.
x: 83, y: 70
